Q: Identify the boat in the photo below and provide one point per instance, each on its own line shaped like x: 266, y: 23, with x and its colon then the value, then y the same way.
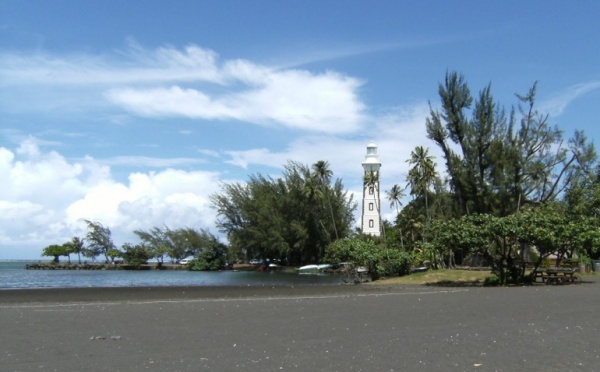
x: 313, y: 269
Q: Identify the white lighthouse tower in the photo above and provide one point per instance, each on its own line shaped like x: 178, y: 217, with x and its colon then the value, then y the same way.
x: 371, y: 208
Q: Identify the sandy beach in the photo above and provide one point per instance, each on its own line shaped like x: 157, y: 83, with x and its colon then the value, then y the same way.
x: 318, y: 328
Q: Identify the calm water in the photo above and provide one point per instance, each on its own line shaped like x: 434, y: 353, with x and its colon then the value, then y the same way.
x: 13, y: 275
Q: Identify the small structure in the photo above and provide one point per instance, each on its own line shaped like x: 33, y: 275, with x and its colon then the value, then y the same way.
x: 371, y: 205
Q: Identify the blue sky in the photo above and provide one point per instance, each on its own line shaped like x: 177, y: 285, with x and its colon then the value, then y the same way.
x: 131, y: 113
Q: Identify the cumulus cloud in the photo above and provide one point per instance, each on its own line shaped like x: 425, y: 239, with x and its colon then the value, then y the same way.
x: 191, y: 82
x: 45, y: 198
x: 396, y: 133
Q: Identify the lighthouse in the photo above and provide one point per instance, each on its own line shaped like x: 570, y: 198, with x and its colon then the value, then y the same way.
x: 371, y: 205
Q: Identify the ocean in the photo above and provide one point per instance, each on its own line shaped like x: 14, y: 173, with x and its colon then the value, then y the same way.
x: 13, y: 275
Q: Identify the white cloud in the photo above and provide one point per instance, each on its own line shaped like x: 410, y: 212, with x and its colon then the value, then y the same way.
x: 192, y: 83
x: 558, y: 104
x: 295, y: 99
x: 45, y: 198
x: 134, y: 66
x: 396, y: 134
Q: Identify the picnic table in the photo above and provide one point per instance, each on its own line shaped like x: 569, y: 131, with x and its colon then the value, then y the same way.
x: 559, y: 276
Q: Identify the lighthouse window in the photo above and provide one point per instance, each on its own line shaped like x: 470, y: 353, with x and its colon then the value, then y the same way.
x: 370, y: 191
x: 370, y: 223
x: 370, y: 206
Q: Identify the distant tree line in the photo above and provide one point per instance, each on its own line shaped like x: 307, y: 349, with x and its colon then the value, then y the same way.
x: 156, y: 243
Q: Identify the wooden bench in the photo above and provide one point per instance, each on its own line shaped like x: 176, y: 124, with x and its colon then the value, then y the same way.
x: 559, y: 277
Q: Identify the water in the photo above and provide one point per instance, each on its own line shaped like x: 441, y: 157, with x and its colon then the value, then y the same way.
x: 13, y: 276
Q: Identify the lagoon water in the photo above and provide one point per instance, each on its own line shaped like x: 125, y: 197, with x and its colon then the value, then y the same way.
x: 13, y: 276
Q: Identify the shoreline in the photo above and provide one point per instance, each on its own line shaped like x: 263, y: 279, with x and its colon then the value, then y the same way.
x: 155, y: 293
x: 12, y: 296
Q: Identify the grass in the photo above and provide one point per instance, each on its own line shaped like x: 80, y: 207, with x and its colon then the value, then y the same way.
x: 451, y: 278
x: 456, y: 277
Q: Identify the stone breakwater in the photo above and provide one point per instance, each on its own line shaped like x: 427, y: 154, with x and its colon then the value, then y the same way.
x: 99, y: 266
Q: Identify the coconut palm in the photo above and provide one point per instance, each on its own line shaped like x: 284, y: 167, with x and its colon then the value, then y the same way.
x: 422, y: 175
x: 395, y: 196
x: 322, y: 174
x: 76, y: 246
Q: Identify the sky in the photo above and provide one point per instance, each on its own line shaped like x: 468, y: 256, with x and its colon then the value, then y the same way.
x: 132, y: 113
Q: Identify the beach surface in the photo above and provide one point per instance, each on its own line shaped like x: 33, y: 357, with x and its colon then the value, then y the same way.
x: 316, y: 328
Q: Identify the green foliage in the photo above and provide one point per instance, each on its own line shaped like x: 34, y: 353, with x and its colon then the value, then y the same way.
x: 505, y: 242
x: 498, y: 163
x: 135, y: 255
x: 175, y: 243
x: 292, y: 218
x: 502, y: 200
x: 212, y: 257
x: 55, y: 251
x: 396, y: 262
x: 492, y: 281
x: 380, y: 261
x: 114, y: 254
x: 75, y: 246
x: 99, y: 240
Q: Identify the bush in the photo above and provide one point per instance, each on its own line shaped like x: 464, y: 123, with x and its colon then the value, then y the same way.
x: 209, y: 259
x: 396, y: 262
x: 136, y: 256
x: 492, y: 281
x: 378, y: 260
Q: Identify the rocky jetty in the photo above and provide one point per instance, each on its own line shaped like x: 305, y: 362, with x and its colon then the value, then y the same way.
x: 101, y: 266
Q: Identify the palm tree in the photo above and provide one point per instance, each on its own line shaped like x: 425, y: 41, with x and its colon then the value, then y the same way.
x: 76, y: 246
x: 322, y: 174
x: 420, y: 178
x: 395, y: 196
x: 314, y: 195
x: 422, y: 175
x: 371, y: 180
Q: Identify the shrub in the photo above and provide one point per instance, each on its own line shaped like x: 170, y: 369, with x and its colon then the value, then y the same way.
x: 210, y: 259
x: 492, y: 281
x: 378, y: 260
x: 135, y: 256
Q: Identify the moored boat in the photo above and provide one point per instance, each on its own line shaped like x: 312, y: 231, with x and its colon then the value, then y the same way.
x: 313, y: 269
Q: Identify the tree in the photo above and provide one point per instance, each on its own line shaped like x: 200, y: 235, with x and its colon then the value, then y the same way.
x: 99, y: 239
x: 213, y: 256
x: 498, y: 163
x: 283, y: 218
x: 156, y: 242
x: 323, y: 174
x: 395, y: 196
x: 422, y: 175
x: 420, y: 178
x: 55, y: 251
x: 114, y: 254
x: 76, y: 246
x: 135, y: 255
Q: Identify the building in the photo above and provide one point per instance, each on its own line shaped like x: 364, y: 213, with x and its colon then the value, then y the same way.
x: 371, y: 205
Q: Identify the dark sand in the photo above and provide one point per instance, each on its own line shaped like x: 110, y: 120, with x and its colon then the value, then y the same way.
x: 331, y: 328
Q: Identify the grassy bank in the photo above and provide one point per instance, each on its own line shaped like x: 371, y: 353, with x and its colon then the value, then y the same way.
x: 454, y: 277
x: 439, y: 276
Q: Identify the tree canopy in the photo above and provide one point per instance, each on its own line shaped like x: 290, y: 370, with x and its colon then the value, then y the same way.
x: 293, y: 217
x: 497, y: 162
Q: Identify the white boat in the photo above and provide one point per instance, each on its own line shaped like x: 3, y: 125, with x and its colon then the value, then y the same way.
x: 311, y: 269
